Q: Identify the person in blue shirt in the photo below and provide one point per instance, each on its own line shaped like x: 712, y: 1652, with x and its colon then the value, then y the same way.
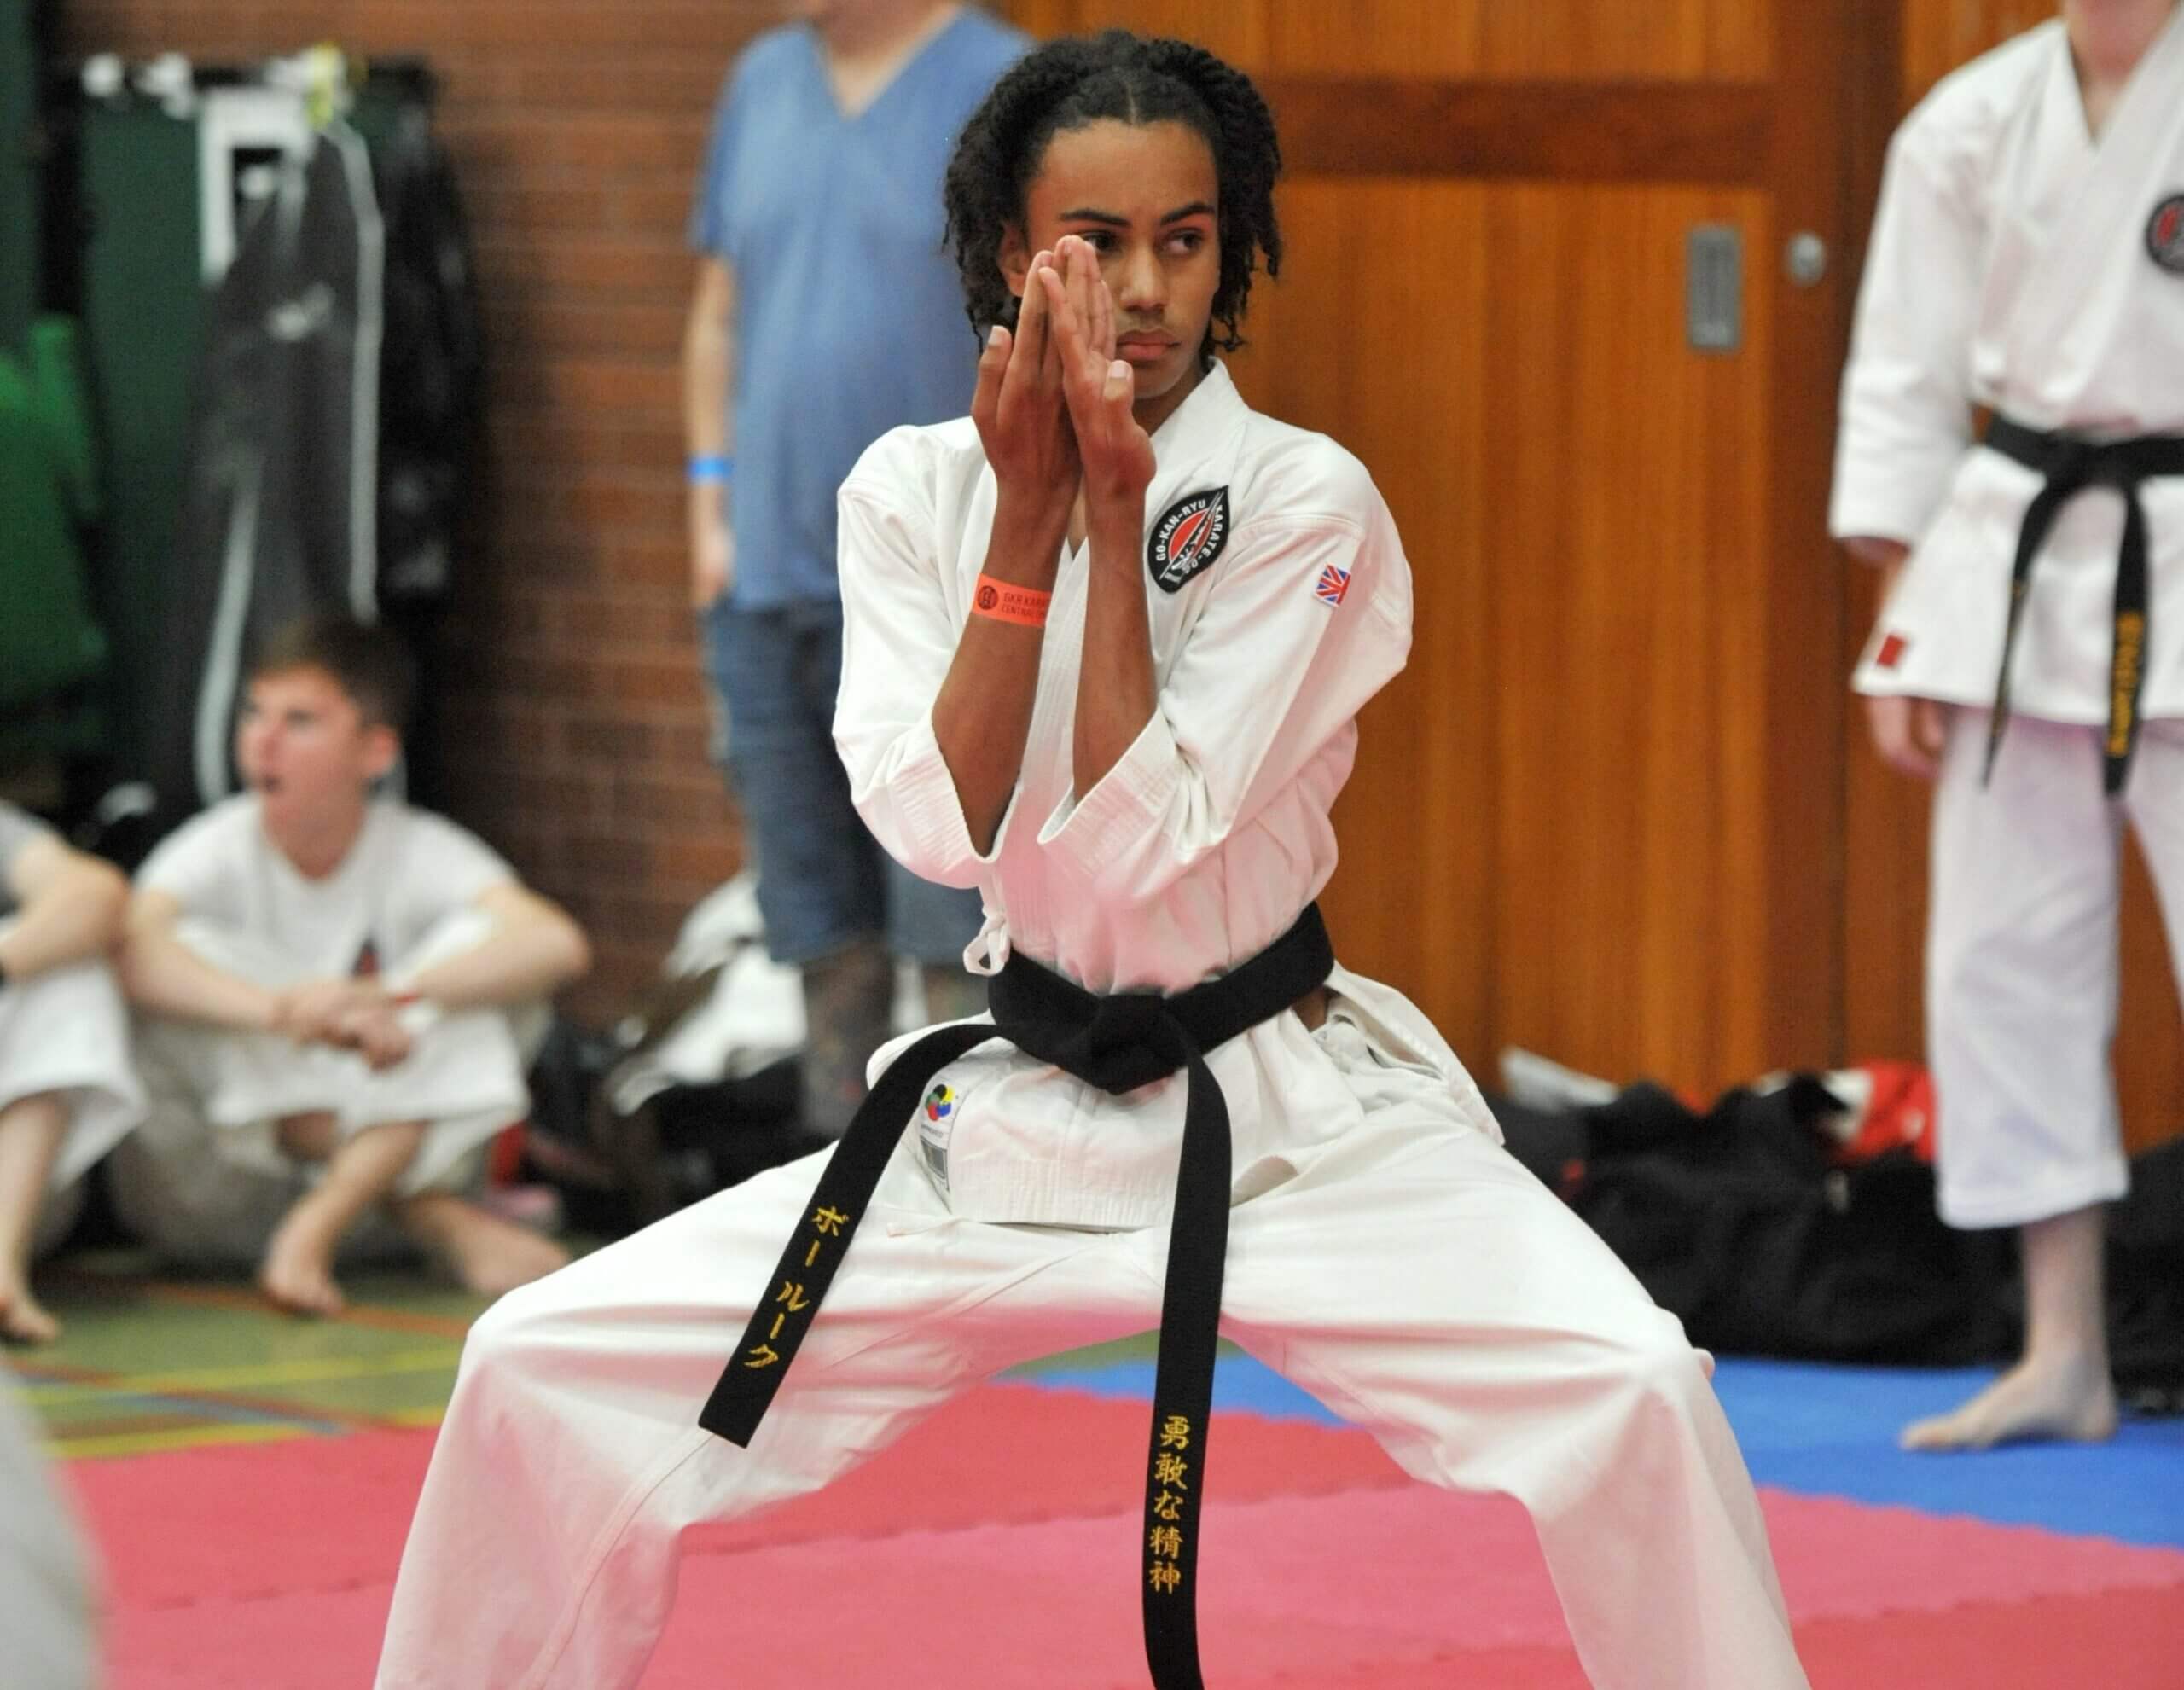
x: 826, y: 311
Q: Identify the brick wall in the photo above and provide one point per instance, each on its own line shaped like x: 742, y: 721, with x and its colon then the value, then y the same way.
x: 576, y: 736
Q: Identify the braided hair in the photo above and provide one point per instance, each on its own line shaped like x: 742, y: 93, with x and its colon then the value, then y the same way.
x: 1079, y: 80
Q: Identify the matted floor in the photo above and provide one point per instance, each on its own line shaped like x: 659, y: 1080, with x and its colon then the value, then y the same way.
x: 248, y: 1480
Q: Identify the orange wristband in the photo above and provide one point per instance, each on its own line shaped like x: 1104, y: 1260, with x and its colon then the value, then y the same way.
x: 1000, y: 602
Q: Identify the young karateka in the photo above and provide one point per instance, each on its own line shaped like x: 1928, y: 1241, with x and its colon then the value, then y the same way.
x: 2029, y: 259
x: 67, y: 1091
x: 1107, y: 639
x: 330, y: 983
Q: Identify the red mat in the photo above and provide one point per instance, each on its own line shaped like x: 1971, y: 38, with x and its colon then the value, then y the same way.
x: 1001, y: 1535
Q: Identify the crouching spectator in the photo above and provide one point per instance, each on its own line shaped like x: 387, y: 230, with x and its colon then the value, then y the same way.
x: 332, y: 991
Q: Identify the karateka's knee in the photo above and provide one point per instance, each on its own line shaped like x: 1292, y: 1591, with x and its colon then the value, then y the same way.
x: 1653, y: 1373
x: 505, y: 1344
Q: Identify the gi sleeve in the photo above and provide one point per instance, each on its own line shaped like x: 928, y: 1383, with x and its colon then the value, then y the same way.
x: 201, y: 865
x: 898, y: 639
x: 1906, y: 418
x: 444, y: 868
x: 1307, y: 622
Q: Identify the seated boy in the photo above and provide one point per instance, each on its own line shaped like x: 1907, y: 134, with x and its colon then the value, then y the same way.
x: 68, y: 1092
x: 328, y: 982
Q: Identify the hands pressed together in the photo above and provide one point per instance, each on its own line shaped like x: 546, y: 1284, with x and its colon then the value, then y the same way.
x: 347, y: 1014
x: 1052, y: 406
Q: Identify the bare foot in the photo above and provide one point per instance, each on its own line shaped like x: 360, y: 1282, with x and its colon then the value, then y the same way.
x: 297, y: 1271
x: 2069, y: 1401
x: 488, y: 1254
x: 23, y: 1319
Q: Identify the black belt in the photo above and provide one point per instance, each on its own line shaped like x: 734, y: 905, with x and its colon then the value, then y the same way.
x: 1117, y: 1043
x: 2071, y: 465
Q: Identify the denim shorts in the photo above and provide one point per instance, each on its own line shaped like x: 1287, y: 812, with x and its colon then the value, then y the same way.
x: 824, y: 884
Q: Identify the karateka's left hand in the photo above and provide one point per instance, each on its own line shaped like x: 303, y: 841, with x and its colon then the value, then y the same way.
x: 1099, y: 387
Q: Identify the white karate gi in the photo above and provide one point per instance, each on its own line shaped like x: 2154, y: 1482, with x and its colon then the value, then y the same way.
x: 2015, y: 265
x: 64, y: 1031
x: 1384, y: 1250
x: 204, y: 1178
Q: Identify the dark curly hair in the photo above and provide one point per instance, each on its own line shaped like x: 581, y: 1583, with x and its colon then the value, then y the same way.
x: 1078, y: 80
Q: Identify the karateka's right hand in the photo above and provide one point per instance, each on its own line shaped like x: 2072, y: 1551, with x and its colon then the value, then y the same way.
x: 1909, y: 733
x: 1022, y: 419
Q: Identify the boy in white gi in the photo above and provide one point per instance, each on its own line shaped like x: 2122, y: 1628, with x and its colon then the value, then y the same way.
x: 68, y: 1092
x: 328, y: 980
x: 2029, y: 259
x: 1107, y: 641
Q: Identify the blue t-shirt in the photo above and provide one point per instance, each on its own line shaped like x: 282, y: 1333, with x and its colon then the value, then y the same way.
x: 848, y: 313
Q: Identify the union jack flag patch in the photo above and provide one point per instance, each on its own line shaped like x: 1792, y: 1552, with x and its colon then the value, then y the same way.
x: 1334, y: 584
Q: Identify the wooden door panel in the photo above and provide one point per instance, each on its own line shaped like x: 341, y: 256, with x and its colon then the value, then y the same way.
x: 1696, y: 40
x: 1939, y: 35
x: 1624, y: 548
x: 1601, y: 812
x: 1570, y: 766
x: 1238, y: 30
x: 1386, y: 358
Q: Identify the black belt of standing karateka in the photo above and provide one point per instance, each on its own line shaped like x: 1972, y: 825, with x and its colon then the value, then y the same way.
x: 2071, y: 465
x: 1117, y: 1043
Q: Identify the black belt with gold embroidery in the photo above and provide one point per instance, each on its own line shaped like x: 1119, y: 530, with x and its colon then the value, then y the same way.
x: 1117, y: 1043
x: 2071, y: 465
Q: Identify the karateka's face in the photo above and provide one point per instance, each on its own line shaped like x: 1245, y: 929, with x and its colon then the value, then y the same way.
x: 1145, y: 197
x: 305, y: 748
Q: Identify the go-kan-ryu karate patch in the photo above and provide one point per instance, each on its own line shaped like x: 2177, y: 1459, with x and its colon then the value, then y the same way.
x: 2165, y: 234
x: 1187, y: 537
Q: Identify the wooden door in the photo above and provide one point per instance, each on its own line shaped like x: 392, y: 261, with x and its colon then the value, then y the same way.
x: 1884, y: 906
x: 1601, y: 814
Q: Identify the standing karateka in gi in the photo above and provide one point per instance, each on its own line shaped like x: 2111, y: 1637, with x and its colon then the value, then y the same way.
x: 2029, y: 259
x: 330, y: 981
x: 1107, y: 641
x: 68, y: 1092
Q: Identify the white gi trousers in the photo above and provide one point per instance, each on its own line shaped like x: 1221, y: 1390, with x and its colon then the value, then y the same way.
x: 1409, y: 1274
x: 2021, y: 960
x: 65, y: 1032
x: 205, y: 1181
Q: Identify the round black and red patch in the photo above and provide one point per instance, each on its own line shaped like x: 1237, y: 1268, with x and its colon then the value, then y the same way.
x: 1187, y: 537
x: 2165, y: 234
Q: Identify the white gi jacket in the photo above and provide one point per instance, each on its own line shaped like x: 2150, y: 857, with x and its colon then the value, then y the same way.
x: 2015, y: 265
x: 1290, y: 608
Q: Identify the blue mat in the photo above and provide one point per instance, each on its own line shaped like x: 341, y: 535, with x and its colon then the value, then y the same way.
x: 1831, y: 1431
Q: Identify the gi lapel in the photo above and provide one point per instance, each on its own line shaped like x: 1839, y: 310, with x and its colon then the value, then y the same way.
x: 2111, y: 192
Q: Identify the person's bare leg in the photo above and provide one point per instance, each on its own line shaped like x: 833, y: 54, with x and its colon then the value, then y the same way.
x: 952, y: 992
x: 298, y: 1270
x: 31, y: 1132
x: 2060, y: 1388
x: 488, y: 1254
x: 847, y: 1000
